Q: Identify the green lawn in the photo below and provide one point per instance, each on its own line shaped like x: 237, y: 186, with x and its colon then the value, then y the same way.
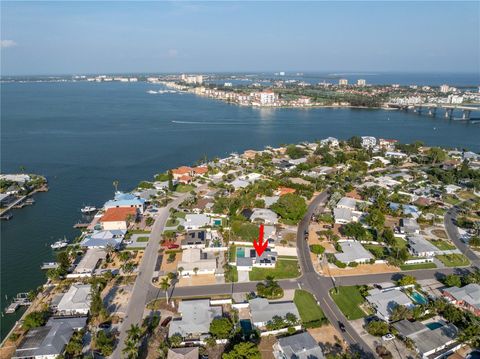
x: 184, y: 188
x: 418, y: 266
x: 454, y: 260
x: 451, y: 199
x: 180, y: 214
x: 348, y: 300
x: 232, y: 253
x: 143, y: 239
x: 442, y: 245
x: 310, y: 311
x: 172, y: 222
x: 245, y: 231
x: 283, y: 269
x: 378, y: 251
x: 400, y: 243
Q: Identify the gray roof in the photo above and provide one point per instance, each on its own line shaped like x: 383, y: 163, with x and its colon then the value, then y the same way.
x: 300, y: 346
x: 263, y: 311
x: 196, y: 318
x: 352, y: 251
x: 418, y: 244
x: 384, y: 302
x: 77, y: 298
x: 426, y: 339
x: 409, y: 224
x: 344, y: 214
x: 266, y: 215
x: 183, y: 353
x: 50, y: 339
x: 469, y: 294
x: 347, y: 202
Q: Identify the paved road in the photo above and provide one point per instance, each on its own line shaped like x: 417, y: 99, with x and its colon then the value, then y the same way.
x: 138, y: 298
x: 452, y: 232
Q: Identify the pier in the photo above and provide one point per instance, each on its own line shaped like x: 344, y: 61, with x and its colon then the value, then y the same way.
x: 20, y: 300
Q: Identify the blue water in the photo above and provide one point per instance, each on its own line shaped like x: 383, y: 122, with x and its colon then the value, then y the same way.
x: 434, y: 325
x: 241, y: 252
x: 418, y: 298
x: 82, y: 136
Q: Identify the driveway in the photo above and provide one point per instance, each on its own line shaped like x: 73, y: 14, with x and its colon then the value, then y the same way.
x: 243, y: 276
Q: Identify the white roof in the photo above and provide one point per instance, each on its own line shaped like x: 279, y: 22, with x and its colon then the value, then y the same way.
x: 196, y: 317
x: 353, y: 251
x: 77, y: 298
x: 385, y: 301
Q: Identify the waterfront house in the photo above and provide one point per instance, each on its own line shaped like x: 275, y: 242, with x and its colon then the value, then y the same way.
x: 432, y: 340
x: 467, y: 297
x: 76, y: 301
x: 6, y: 199
x: 329, y: 141
x: 368, y: 141
x: 181, y: 171
x: 195, y: 261
x: 118, y: 218
x: 353, y: 251
x: 384, y: 301
x: 87, y: 265
x: 298, y: 346
x: 262, y: 311
x: 196, y: 316
x: 50, y: 340
x: 125, y: 200
x: 102, y: 239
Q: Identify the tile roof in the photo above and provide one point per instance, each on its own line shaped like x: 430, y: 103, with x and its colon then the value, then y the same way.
x: 118, y: 214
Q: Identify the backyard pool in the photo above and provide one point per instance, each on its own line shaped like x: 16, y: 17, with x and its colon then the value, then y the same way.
x: 418, y: 298
x: 434, y: 325
x: 246, y: 325
x: 241, y: 252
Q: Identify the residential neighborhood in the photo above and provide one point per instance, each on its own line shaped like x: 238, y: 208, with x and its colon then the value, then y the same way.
x: 371, y: 249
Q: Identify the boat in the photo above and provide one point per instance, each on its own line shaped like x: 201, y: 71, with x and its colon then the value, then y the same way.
x: 6, y: 216
x: 59, y: 244
x: 49, y: 265
x: 151, y: 92
x: 88, y: 209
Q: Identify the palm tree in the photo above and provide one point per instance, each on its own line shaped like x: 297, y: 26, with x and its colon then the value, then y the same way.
x: 195, y: 270
x: 134, y: 332
x: 115, y: 184
x: 180, y: 270
x: 165, y: 284
x: 109, y: 249
x: 131, y: 348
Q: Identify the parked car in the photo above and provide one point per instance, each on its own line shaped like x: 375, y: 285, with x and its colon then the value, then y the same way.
x: 105, y: 325
x: 388, y: 337
x: 378, y: 286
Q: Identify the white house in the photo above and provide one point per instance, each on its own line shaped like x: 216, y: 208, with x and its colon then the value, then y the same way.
x: 76, y: 301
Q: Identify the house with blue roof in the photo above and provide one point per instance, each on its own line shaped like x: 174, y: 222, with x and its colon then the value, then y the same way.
x: 126, y: 200
x: 407, y: 209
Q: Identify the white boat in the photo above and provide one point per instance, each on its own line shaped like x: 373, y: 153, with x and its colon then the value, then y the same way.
x: 151, y: 92
x: 59, y: 244
x: 49, y: 265
x: 88, y: 209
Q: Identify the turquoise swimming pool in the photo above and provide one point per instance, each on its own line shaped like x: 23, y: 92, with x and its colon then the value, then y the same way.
x: 418, y: 298
x: 433, y: 325
x: 241, y: 252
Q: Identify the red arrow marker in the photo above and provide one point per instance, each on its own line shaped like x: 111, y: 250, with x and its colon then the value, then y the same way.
x: 260, y: 246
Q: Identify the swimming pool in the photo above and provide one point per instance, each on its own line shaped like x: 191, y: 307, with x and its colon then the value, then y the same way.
x: 418, y: 298
x: 246, y: 325
x: 434, y: 325
x: 241, y: 252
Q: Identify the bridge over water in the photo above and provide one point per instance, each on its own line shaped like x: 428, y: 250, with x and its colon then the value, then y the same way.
x: 431, y: 109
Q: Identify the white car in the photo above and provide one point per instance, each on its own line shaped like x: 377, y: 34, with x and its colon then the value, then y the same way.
x: 388, y: 337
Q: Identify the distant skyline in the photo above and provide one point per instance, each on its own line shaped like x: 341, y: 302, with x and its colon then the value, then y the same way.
x: 42, y: 38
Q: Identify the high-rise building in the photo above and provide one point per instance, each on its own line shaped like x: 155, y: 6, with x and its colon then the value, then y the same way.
x: 361, y: 82
x: 343, y: 82
x: 444, y: 88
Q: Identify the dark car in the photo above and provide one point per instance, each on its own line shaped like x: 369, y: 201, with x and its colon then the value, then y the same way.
x: 378, y: 286
x: 166, y: 321
x: 342, y: 326
x: 105, y: 325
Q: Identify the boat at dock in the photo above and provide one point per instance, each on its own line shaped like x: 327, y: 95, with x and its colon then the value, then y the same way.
x: 49, y: 265
x: 6, y: 216
x: 59, y: 244
x: 88, y: 209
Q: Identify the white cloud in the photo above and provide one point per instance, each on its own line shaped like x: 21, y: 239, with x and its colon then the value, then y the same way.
x: 7, y: 43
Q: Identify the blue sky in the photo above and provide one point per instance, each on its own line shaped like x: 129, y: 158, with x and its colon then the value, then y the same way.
x: 91, y: 37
